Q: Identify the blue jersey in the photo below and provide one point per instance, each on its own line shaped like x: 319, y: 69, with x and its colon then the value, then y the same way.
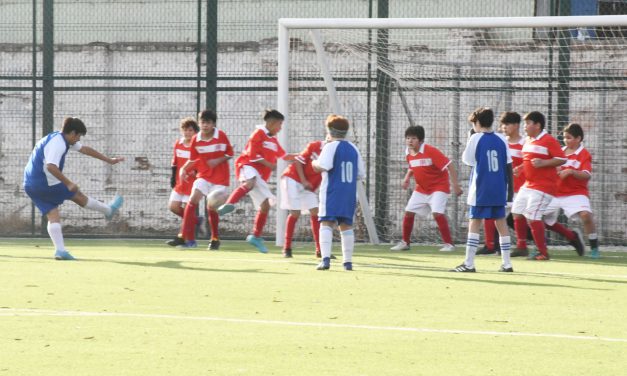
x: 488, y: 154
x: 342, y: 166
x: 50, y: 149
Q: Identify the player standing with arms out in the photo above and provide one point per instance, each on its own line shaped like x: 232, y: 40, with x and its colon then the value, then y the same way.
x: 182, y: 188
x: 210, y: 151
x: 253, y: 169
x: 48, y: 187
x: 299, y: 184
x: 541, y: 153
x: 490, y: 186
x: 572, y: 193
x: 430, y: 169
x: 341, y: 166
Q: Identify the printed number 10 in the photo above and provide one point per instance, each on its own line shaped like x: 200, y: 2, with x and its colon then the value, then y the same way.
x: 347, y: 172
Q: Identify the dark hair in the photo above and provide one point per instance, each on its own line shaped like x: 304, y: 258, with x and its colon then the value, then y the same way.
x: 482, y: 115
x: 72, y: 124
x: 574, y: 130
x: 510, y: 117
x: 207, y: 115
x: 272, y: 114
x: 189, y: 122
x: 536, y: 117
x: 417, y: 131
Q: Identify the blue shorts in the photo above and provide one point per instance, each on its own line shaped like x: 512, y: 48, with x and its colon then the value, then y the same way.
x: 486, y: 212
x: 47, y: 198
x: 346, y: 220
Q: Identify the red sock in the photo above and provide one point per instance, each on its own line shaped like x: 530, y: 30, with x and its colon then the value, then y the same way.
x: 537, y: 230
x: 260, y: 221
x: 289, y: 231
x: 408, y: 226
x: 237, y: 194
x: 520, y: 227
x: 315, y: 230
x: 562, y: 230
x: 214, y: 220
x: 442, y: 222
x: 489, y: 226
x: 188, y: 227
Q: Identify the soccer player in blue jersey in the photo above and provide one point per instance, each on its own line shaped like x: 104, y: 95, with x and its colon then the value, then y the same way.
x: 341, y: 166
x: 491, y: 186
x: 48, y: 187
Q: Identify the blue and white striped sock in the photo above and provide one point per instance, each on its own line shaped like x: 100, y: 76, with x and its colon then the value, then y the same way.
x: 471, y: 248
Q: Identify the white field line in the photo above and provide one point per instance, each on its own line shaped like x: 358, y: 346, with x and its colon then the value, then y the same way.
x: 41, y: 312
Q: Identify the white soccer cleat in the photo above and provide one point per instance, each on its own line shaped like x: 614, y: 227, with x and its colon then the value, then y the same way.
x: 401, y: 246
x: 447, y: 248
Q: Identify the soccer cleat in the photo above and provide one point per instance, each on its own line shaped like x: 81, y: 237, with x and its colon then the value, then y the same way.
x: 485, y: 251
x: 594, y: 253
x: 463, y: 269
x: 225, y: 209
x: 520, y: 252
x: 325, y: 264
x: 114, y: 205
x: 176, y: 241
x: 578, y: 242
x: 287, y: 253
x: 537, y: 256
x: 401, y: 246
x: 188, y: 245
x: 447, y: 248
x: 506, y: 270
x: 63, y: 255
x: 348, y: 266
x: 257, y: 242
x: 214, y: 245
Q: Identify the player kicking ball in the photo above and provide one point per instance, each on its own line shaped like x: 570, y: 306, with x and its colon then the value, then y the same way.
x: 48, y: 187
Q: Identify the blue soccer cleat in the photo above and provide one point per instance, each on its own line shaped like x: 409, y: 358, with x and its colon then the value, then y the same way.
x: 325, y: 264
x: 115, y: 205
x: 225, y: 209
x: 348, y: 266
x: 189, y: 244
x: 257, y: 243
x: 63, y: 255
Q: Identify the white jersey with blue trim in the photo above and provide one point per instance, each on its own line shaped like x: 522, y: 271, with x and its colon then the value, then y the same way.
x: 342, y: 166
x: 51, y: 149
x: 488, y: 154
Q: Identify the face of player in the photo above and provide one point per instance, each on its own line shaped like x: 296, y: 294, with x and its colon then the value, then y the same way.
x: 207, y: 127
x: 532, y: 128
x: 571, y: 141
x: 509, y: 129
x: 72, y: 137
x: 412, y: 143
x: 274, y: 126
x: 188, y: 133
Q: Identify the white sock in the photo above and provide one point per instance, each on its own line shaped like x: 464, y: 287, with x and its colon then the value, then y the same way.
x: 506, y: 247
x: 98, y: 206
x: 348, y: 244
x: 471, y: 247
x: 326, y: 241
x: 56, y: 234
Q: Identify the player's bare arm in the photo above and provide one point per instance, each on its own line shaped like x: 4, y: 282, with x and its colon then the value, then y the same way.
x: 96, y: 154
x: 406, y: 179
x: 456, y: 187
x: 579, y: 175
x: 542, y: 163
x: 301, y: 175
x: 214, y: 162
x: 56, y: 172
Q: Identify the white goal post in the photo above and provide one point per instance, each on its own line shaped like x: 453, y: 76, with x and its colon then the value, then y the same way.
x: 313, y: 25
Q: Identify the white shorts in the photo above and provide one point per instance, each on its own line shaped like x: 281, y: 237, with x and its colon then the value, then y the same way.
x: 261, y: 191
x: 423, y: 204
x: 531, y: 203
x: 294, y: 196
x: 206, y: 188
x: 571, y: 205
x: 175, y: 196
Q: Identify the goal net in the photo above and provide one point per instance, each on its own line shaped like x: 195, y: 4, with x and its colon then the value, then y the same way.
x: 387, y: 74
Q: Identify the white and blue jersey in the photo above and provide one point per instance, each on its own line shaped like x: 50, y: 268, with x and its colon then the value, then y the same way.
x: 46, y: 191
x: 342, y: 166
x: 488, y: 154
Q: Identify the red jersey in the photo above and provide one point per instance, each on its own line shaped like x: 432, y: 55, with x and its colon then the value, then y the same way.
x: 544, y: 147
x: 260, y: 145
x: 516, y: 151
x: 308, y: 155
x: 204, y: 150
x: 429, y: 167
x: 180, y: 157
x: 580, y: 160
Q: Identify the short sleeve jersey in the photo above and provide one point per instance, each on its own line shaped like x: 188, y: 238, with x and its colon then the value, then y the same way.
x: 580, y: 160
x: 342, y: 166
x: 544, y: 147
x: 308, y: 155
x: 51, y: 149
x: 515, y: 150
x: 202, y: 150
x: 488, y: 155
x: 429, y: 167
x: 180, y: 157
x: 260, y: 145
